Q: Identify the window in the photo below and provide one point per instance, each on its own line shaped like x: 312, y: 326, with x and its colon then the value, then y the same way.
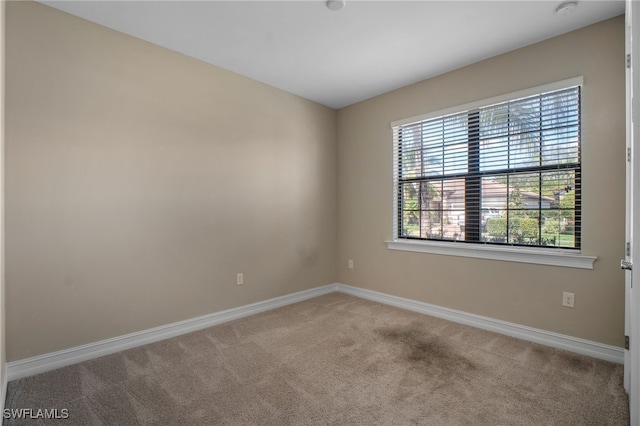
x: 505, y: 173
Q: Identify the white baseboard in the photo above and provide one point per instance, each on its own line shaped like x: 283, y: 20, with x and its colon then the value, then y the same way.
x: 548, y: 338
x: 63, y: 358
x: 47, y: 362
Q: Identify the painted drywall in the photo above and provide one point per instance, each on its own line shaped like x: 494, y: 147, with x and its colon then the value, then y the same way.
x: 525, y: 294
x: 139, y: 182
x: 3, y: 347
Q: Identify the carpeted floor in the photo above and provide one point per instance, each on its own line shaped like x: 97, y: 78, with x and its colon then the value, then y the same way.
x: 332, y: 360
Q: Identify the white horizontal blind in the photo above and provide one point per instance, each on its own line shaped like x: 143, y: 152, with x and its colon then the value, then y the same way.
x: 507, y: 173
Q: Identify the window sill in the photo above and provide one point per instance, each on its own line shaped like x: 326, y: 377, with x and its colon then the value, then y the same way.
x: 539, y: 256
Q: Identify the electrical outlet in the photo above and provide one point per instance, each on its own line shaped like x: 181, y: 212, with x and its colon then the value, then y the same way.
x: 240, y: 279
x: 568, y: 299
x: 350, y: 263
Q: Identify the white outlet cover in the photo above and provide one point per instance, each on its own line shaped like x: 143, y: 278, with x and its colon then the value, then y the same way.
x: 568, y: 299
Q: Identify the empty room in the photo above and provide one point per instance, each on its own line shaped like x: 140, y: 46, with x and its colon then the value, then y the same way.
x: 319, y: 212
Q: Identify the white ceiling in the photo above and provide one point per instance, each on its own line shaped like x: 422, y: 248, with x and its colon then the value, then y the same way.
x: 341, y: 57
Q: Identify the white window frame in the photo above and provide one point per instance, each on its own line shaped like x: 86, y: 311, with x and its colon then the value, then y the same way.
x: 536, y: 255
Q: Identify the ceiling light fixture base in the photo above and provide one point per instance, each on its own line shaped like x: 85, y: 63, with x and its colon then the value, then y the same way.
x: 566, y: 8
x: 335, y: 4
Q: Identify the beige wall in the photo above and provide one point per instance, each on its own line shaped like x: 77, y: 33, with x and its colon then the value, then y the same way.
x: 140, y: 181
x: 521, y: 293
x: 3, y: 350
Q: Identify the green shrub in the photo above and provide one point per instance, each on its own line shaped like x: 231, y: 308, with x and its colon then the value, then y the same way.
x: 523, y: 230
x: 551, y: 226
x: 529, y: 229
x: 497, y: 227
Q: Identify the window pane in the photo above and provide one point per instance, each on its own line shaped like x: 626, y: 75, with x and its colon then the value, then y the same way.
x: 551, y: 228
x: 524, y: 150
x: 431, y: 209
x: 557, y: 184
x: 494, y: 193
x: 494, y: 154
x: 432, y: 132
x: 494, y: 205
x: 410, y: 193
x: 411, y: 163
x: 560, y: 109
x: 410, y: 137
x: 455, y: 158
x: 410, y: 151
x: 560, y: 146
x: 494, y: 121
x: 410, y: 227
x: 455, y: 144
x: 453, y: 192
x: 496, y: 230
x: 524, y: 115
x: 494, y: 141
x: 557, y: 230
x: 524, y: 227
x: 568, y: 236
x: 433, y: 161
x: 524, y: 191
x: 506, y: 173
x: 455, y: 129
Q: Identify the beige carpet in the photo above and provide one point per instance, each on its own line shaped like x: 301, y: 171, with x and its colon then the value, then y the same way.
x: 332, y: 360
